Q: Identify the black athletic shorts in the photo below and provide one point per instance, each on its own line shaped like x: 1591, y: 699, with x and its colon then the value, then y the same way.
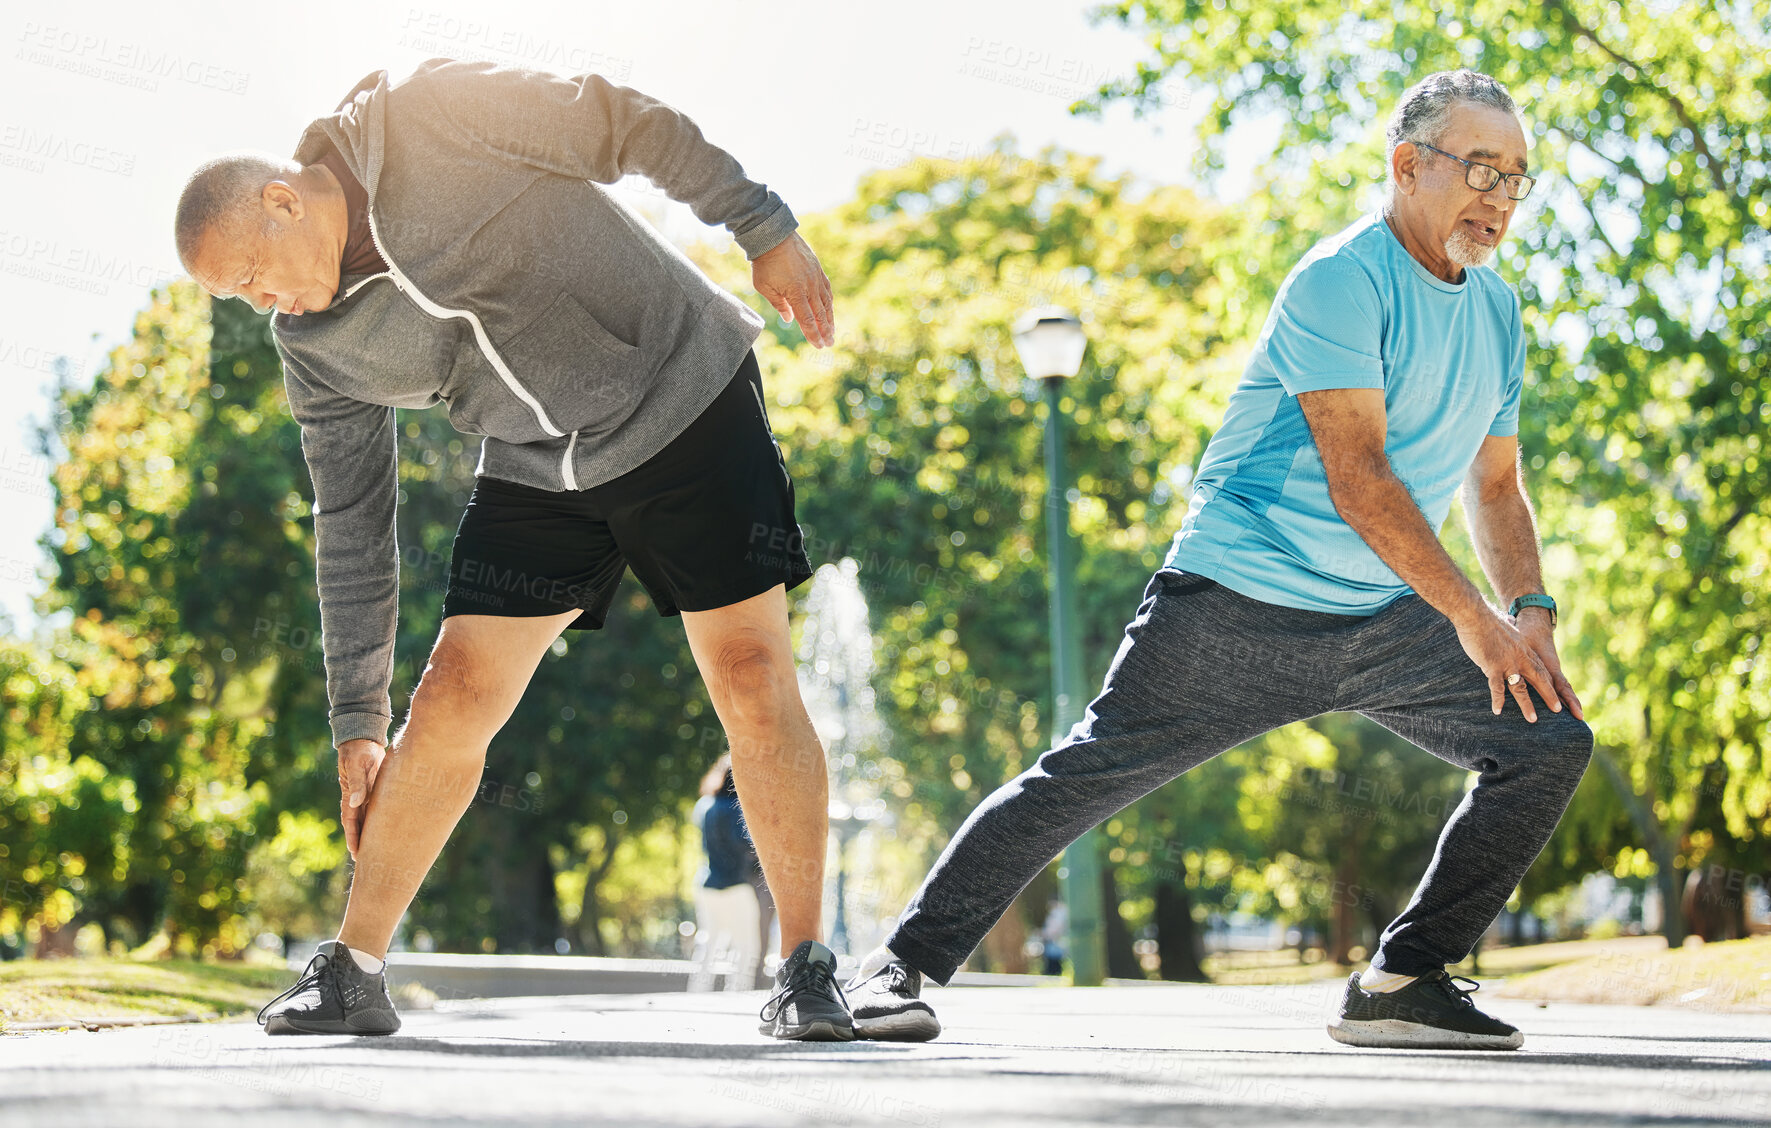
x: 704, y: 523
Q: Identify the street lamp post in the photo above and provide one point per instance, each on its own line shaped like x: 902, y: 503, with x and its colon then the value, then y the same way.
x: 1050, y: 342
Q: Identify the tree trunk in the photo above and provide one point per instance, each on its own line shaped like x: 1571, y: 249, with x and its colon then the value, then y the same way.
x: 1737, y: 917
x: 524, y: 898
x: 1380, y: 910
x: 1710, y: 911
x: 1005, y: 945
x: 55, y: 943
x: 590, y: 913
x: 1179, y: 946
x: 547, y: 902
x: 1715, y: 890
x: 1343, y: 922
x: 588, y: 933
x: 1122, y: 961
x: 1672, y: 908
x: 1659, y: 846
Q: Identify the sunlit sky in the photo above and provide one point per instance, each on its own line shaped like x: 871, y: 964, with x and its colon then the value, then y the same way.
x: 108, y: 106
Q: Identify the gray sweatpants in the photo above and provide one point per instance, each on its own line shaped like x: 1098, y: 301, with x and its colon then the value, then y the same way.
x: 1203, y: 669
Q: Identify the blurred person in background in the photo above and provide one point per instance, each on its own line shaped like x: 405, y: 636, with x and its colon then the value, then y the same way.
x: 1051, y: 937
x: 728, y: 919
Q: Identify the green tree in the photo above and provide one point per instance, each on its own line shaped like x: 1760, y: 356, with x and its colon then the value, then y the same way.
x: 176, y: 525
x: 65, y: 822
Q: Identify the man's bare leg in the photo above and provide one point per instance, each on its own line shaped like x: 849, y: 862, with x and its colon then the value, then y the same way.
x: 746, y: 657
x: 476, y: 675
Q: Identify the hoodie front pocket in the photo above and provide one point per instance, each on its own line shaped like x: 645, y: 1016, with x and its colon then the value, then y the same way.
x: 586, y: 377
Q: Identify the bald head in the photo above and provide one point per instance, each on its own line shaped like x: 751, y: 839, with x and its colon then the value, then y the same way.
x: 224, y: 195
x: 264, y: 229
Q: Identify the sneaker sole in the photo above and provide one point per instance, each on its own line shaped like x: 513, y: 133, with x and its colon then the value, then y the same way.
x: 908, y: 1026
x: 278, y: 1024
x: 1396, y: 1034
x: 812, y: 1032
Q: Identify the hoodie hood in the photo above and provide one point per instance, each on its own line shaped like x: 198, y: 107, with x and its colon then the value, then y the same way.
x: 354, y: 129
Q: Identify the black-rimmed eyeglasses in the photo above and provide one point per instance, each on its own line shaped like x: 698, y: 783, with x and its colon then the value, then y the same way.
x: 1483, y: 177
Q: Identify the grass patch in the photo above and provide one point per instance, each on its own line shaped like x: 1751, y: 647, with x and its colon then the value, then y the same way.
x: 73, y: 989
x: 1528, y: 958
x: 1731, y: 976
x: 1244, y: 969
x: 1283, y: 967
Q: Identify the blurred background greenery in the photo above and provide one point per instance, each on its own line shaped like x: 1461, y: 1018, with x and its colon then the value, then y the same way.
x: 166, y: 782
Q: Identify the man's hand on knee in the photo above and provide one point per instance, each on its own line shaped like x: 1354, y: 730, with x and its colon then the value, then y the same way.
x: 1509, y: 661
x: 359, y: 762
x: 1538, y: 629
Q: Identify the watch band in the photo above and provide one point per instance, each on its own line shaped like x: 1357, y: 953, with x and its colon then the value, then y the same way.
x: 1534, y: 599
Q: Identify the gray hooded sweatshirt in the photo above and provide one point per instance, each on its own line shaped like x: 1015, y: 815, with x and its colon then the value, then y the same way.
x: 547, y: 316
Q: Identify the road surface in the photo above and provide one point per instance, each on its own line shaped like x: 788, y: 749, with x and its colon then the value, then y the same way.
x: 1196, y: 1055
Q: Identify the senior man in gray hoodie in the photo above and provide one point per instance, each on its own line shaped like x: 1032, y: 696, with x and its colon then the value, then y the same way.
x: 444, y: 237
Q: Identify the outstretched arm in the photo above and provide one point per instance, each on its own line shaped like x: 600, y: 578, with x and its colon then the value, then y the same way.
x: 586, y: 126
x: 350, y: 451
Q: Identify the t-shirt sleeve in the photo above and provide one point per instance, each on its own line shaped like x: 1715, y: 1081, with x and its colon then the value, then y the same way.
x: 1327, y: 331
x: 1506, y: 420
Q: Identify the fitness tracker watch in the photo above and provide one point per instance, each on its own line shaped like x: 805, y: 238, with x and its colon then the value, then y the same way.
x: 1535, y: 599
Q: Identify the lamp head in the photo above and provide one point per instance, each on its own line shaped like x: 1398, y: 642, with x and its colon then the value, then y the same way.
x: 1050, y: 342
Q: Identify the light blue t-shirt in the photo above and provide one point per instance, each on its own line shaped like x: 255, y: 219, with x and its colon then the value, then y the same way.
x: 1357, y: 312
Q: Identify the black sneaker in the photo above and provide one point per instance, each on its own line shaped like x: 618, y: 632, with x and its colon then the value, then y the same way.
x: 1432, y: 1013
x: 888, y: 1006
x: 807, y: 1004
x: 334, y: 996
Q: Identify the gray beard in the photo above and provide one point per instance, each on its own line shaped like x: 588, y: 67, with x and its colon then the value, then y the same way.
x: 1462, y: 250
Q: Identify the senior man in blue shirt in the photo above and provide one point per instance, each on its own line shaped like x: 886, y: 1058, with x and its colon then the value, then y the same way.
x: 1308, y: 577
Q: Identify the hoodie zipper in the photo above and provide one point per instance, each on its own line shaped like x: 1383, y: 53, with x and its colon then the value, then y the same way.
x: 365, y: 282
x: 404, y: 285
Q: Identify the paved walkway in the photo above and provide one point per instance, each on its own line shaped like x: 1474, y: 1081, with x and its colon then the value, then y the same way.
x: 1011, y: 1056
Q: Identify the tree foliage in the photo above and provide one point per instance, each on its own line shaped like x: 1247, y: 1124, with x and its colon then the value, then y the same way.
x: 164, y: 758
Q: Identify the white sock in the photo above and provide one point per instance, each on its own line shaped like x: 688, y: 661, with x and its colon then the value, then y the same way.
x: 1382, y: 982
x: 873, y: 961
x: 364, y: 961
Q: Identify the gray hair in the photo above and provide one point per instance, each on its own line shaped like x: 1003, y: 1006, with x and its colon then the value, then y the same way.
x: 1424, y: 113
x: 223, y: 194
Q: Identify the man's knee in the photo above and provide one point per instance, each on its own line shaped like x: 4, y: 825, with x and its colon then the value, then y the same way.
x: 453, y: 688
x: 1570, y: 741
x: 756, y: 682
